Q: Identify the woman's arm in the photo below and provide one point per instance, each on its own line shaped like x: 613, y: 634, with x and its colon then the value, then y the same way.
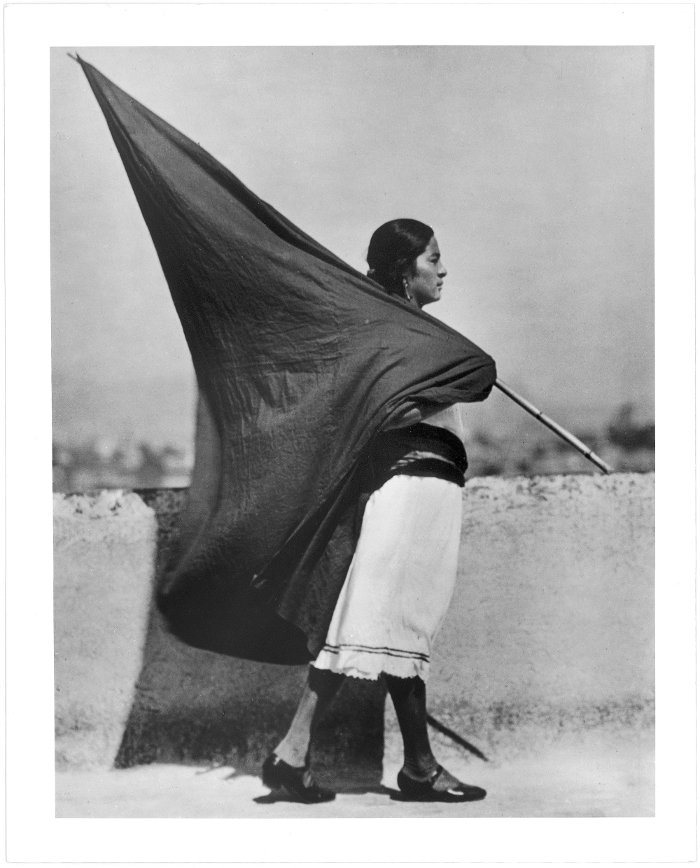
x: 405, y: 419
x: 415, y: 415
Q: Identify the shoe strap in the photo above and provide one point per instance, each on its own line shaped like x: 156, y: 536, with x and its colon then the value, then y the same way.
x: 436, y: 774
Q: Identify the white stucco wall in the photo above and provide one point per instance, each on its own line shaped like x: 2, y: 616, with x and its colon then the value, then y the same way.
x: 104, y: 552
x: 551, y: 626
x: 554, y: 600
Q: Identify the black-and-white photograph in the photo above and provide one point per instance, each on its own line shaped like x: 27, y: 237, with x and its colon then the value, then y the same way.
x: 353, y: 430
x: 505, y: 194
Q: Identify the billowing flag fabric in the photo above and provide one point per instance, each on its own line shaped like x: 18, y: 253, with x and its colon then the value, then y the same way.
x: 300, y: 362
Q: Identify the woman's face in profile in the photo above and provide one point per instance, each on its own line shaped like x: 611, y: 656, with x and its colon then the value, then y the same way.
x: 425, y: 285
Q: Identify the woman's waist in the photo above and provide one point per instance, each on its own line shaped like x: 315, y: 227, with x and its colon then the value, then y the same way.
x: 418, y: 450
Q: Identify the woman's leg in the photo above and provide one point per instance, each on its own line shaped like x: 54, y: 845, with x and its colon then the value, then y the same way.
x: 287, y: 767
x: 409, y: 698
x: 422, y: 776
x: 320, y: 688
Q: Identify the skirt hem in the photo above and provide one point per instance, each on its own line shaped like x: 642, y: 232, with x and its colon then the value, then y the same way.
x: 370, y: 666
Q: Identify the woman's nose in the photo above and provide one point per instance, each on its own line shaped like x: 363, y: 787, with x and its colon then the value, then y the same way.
x: 442, y: 271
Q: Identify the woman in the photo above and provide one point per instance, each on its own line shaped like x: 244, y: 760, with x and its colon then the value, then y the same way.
x: 401, y: 578
x: 285, y: 338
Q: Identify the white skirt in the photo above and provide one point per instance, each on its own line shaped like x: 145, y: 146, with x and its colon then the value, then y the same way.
x: 400, y: 581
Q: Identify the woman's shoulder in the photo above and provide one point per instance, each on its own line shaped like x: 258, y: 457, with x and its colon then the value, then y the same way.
x: 451, y: 418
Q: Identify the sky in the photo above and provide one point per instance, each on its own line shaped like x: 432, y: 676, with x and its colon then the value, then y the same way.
x: 534, y: 165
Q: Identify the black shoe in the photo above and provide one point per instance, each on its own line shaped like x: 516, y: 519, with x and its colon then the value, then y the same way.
x: 297, y: 782
x: 425, y: 791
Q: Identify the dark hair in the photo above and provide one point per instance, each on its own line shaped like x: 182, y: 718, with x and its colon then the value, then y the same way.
x: 393, y: 249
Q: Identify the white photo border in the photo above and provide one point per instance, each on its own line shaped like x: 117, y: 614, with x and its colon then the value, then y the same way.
x: 33, y: 833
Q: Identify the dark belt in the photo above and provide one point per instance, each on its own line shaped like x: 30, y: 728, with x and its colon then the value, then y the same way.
x: 419, y: 450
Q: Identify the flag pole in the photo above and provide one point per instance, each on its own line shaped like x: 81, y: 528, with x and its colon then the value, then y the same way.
x: 562, y: 432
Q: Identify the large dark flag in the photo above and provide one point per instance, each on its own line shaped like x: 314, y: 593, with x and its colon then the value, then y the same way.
x: 300, y: 362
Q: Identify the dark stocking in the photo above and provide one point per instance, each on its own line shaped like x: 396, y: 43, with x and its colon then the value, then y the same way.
x: 408, y: 696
